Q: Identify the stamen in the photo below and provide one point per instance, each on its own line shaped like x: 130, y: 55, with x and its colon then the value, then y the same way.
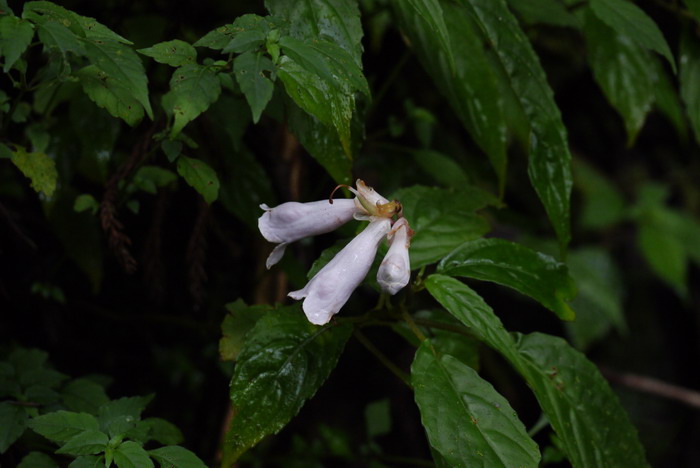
x: 330, y: 197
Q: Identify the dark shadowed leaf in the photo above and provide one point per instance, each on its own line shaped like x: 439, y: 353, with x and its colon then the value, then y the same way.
x: 176, y: 457
x: 200, y: 176
x: 690, y: 79
x: 13, y: 421
x: 131, y: 455
x: 61, y: 426
x: 84, y: 395
x: 240, y: 319
x: 86, y: 443
x: 174, y: 53
x: 252, y: 70
x: 15, y: 36
x: 37, y: 460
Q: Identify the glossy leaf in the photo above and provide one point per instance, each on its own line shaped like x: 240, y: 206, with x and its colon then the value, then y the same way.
x: 284, y: 361
x: 623, y: 70
x: 15, y: 36
x: 432, y: 15
x: 176, y: 456
x: 61, y: 426
x: 581, y: 407
x: 200, y: 176
x: 129, y: 454
x: 110, y: 94
x: 532, y: 273
x: 442, y: 219
x: 468, y: 81
x: 250, y: 69
x: 690, y: 79
x: 628, y: 19
x: 466, y: 420
x: 86, y: 443
x: 549, y: 158
x: 193, y: 88
x: 39, y: 168
x: 13, y: 421
x: 174, y: 53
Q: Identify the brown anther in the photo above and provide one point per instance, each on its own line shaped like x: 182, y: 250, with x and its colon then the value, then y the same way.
x: 330, y: 197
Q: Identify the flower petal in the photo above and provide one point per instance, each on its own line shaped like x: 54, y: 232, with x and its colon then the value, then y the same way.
x: 395, y: 270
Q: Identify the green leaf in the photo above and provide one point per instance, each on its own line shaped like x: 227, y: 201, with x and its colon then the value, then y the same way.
x: 110, y: 94
x: 467, y: 81
x: 552, y: 12
x: 378, y: 418
x: 549, y: 158
x: 690, y: 79
x: 15, y: 36
x: 629, y: 20
x: 257, y: 88
x: 199, y: 176
x: 37, y: 460
x: 242, y: 35
x: 603, y: 204
x: 240, y: 319
x: 85, y: 443
x: 174, y: 53
x: 466, y: 420
x: 150, y: 178
x: 82, y: 26
x: 598, y: 305
x: 665, y: 254
x: 118, y: 416
x: 176, y: 457
x: 193, y: 88
x: 84, y: 395
x: 624, y: 71
x: 13, y: 421
x: 157, y: 429
x: 578, y: 402
x: 532, y: 273
x: 284, y: 361
x: 85, y: 202
x: 442, y: 168
x: 88, y: 461
x: 39, y: 168
x: 129, y: 454
x: 442, y: 219
x: 61, y: 426
x: 694, y: 7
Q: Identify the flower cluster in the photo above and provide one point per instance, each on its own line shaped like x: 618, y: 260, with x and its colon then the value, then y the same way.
x: 327, y: 292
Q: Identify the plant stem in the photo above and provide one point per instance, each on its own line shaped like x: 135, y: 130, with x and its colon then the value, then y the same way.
x: 382, y: 358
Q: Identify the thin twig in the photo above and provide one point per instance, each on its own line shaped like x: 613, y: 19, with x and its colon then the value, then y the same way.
x: 382, y: 358
x: 654, y: 386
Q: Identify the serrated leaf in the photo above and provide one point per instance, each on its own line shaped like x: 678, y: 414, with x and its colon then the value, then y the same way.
x: 37, y: 460
x: 157, y: 429
x: 466, y: 420
x: 193, y: 88
x: 129, y: 454
x: 284, y: 361
x: 257, y: 88
x: 13, y: 421
x: 623, y: 70
x: 469, y: 85
x: 118, y: 416
x: 61, y: 426
x: 110, y: 94
x: 39, y: 168
x: 690, y: 79
x: 174, y: 53
x: 228, y: 38
x: 15, y: 36
x: 176, y: 457
x: 85, y: 443
x: 84, y: 395
x: 83, y: 26
x: 549, y: 158
x: 532, y: 273
x: 199, y: 176
x: 442, y: 219
x: 240, y: 319
x: 584, y: 412
x: 628, y: 19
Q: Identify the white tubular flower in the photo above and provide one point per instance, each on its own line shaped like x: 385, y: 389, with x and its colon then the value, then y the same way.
x: 292, y: 221
x: 395, y: 270
x: 331, y: 287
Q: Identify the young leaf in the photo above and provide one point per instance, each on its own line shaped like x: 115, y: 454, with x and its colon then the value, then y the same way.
x: 174, y: 53
x: 466, y: 419
x: 61, y: 426
x: 534, y: 274
x: 690, y: 79
x: 549, y: 159
x: 176, y: 456
x: 39, y: 168
x: 13, y: 421
x: 129, y: 454
x: 193, y: 88
x: 623, y: 70
x: 250, y: 68
x: 85, y: 443
x: 199, y: 176
x: 15, y: 36
x: 442, y: 219
x: 628, y: 19
x: 284, y: 361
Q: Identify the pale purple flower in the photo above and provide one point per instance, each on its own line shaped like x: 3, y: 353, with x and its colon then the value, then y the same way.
x: 292, y: 221
x: 328, y: 291
x: 395, y: 270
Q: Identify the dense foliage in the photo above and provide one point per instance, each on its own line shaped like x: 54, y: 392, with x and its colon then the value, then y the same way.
x: 543, y: 152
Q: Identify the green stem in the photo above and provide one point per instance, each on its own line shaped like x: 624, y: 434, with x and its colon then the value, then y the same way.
x: 382, y: 358
x: 412, y: 325
x: 459, y: 329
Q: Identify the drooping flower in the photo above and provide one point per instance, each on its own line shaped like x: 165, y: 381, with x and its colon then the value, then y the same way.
x: 395, y: 270
x: 292, y: 221
x: 331, y: 287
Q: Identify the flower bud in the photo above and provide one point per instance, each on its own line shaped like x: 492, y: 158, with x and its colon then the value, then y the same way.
x: 395, y: 270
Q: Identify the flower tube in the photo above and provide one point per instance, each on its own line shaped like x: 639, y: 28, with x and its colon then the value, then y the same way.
x: 395, y: 270
x: 292, y: 221
x: 328, y: 291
